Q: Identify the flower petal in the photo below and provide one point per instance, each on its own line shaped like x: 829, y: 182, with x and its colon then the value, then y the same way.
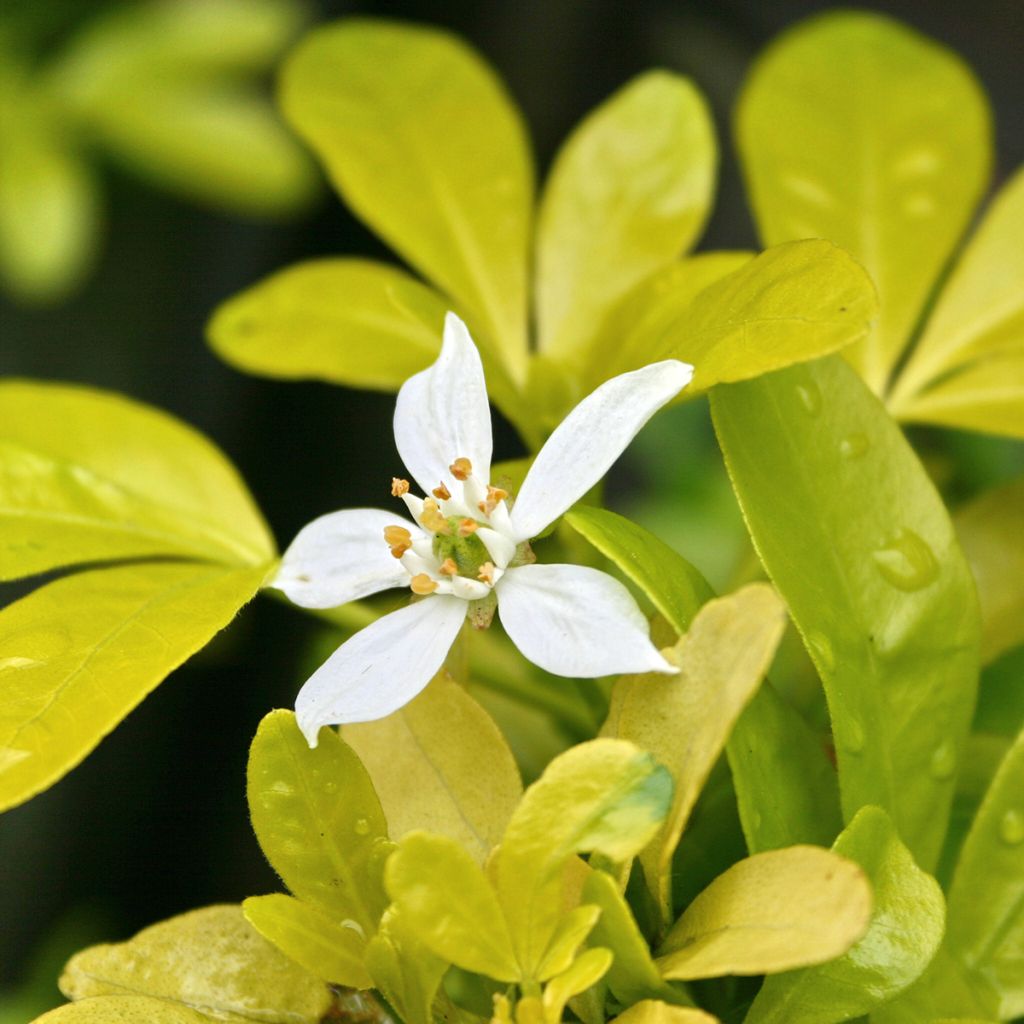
x: 575, y: 621
x: 382, y: 667
x: 442, y: 413
x: 587, y: 442
x: 342, y: 557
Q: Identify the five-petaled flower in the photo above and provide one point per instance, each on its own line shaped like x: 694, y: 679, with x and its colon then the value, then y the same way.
x: 467, y: 549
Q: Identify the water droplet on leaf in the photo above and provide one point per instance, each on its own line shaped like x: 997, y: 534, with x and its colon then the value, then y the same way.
x: 809, y: 397
x: 906, y: 561
x: 1011, y: 828
x: 854, y: 446
x: 943, y: 761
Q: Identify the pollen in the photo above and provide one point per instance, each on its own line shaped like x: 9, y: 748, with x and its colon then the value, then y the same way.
x: 399, y: 487
x: 486, y: 573
x: 398, y: 539
x: 461, y: 468
x: 467, y: 527
x: 432, y: 519
x: 441, y: 493
x: 495, y: 495
x: 422, y: 584
x: 449, y: 568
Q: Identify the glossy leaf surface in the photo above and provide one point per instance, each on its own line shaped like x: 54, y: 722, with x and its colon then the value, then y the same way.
x: 861, y: 548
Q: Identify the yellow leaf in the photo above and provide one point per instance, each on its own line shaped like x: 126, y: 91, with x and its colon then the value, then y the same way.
x: 651, y: 1011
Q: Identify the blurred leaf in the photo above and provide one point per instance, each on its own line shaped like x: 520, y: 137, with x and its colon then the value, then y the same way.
x: 771, y: 912
x: 629, y: 192
x: 651, y: 1011
x: 445, y: 898
x: 128, y: 1010
x: 604, y: 796
x: 684, y: 720
x: 989, y: 529
x: 90, y: 476
x: 346, y: 321
x: 318, y: 821
x: 441, y: 764
x: 905, y: 932
x: 855, y: 128
x: 209, y: 960
x: 78, y: 654
x: 861, y: 548
x: 311, y: 938
x: 426, y: 146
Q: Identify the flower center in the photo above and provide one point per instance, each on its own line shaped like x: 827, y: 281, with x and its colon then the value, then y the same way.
x: 461, y: 548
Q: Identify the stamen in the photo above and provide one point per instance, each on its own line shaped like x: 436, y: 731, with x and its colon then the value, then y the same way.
x: 422, y: 584
x: 399, y: 487
x: 449, y: 568
x: 398, y: 539
x: 495, y: 495
x: 441, y: 493
x: 467, y: 527
x: 486, y: 573
x: 461, y: 468
x: 432, y: 519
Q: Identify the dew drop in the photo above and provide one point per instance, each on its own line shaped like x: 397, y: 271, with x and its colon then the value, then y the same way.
x: 362, y: 827
x: 850, y: 738
x: 943, y: 761
x: 853, y: 446
x: 906, y: 561
x: 821, y: 651
x: 1011, y: 827
x: 809, y: 397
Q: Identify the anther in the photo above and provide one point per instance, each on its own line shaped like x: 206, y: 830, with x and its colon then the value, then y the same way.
x: 449, y: 568
x: 432, y: 519
x: 486, y: 573
x: 495, y: 495
x: 398, y: 539
x: 467, y: 527
x: 422, y: 584
x: 399, y: 487
x: 461, y: 468
x: 441, y: 493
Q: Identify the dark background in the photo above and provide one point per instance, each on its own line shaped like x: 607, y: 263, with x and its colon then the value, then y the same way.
x: 154, y: 822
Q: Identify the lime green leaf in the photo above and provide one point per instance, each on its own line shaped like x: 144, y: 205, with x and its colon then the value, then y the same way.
x: 905, y: 932
x: 425, y: 146
x: 860, y: 546
x: 629, y: 192
x: 986, y: 899
x: 673, y: 586
x: 605, y: 796
x: 311, y: 938
x: 572, y: 930
x: 846, y: 132
x: 981, y: 308
x: 318, y: 821
x: 989, y: 530
x: 127, y: 1010
x: 685, y: 720
x: 347, y: 321
x: 90, y: 476
x: 771, y: 912
x: 440, y: 764
x: 585, y: 971
x: 651, y: 1011
x: 209, y: 960
x: 444, y: 897
x: 78, y: 654
x: 403, y: 969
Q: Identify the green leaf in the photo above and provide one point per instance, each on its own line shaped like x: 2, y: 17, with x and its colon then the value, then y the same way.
x: 860, y: 546
x: 906, y: 929
x: 90, y: 476
x: 586, y: 970
x: 346, y: 321
x: 981, y: 308
x: 311, y: 938
x: 318, y: 821
x: 606, y: 797
x: 426, y: 146
x: 465, y: 783
x: 771, y: 912
x: 127, y: 1010
x: 445, y: 898
x: 845, y: 132
x: 629, y: 192
x: 651, y: 1011
x: 684, y: 720
x: 79, y: 653
x: 989, y: 530
x: 572, y: 931
x: 209, y: 960
x: 986, y: 899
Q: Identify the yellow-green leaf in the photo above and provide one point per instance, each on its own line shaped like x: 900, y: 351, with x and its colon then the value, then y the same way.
x: 347, y: 321
x: 441, y: 764
x: 426, y: 146
x: 685, y: 720
x: 209, y: 960
x: 653, y: 1011
x: 572, y: 930
x: 855, y: 128
x: 628, y: 193
x: 989, y: 529
x: 586, y: 970
x: 318, y: 821
x: 88, y: 475
x: 311, y: 938
x: 444, y: 897
x: 78, y: 654
x: 128, y: 1010
x: 771, y: 912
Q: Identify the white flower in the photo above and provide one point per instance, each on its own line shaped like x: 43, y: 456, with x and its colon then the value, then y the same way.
x: 466, y: 549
